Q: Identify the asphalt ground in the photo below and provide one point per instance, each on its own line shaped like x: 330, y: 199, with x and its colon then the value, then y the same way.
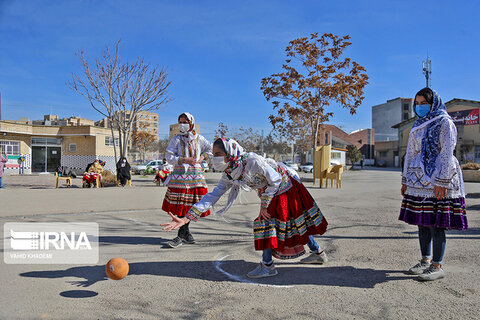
x: 369, y: 251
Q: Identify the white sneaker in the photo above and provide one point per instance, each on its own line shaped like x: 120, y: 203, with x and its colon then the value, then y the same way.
x: 432, y: 273
x: 419, y: 267
x: 315, y: 258
x: 262, y: 271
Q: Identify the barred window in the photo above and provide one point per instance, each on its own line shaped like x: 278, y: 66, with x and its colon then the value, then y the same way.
x: 10, y: 147
x: 109, y: 141
x: 72, y: 147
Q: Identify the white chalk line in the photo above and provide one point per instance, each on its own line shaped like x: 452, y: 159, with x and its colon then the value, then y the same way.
x: 218, y: 266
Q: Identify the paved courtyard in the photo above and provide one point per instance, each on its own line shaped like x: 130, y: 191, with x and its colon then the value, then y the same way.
x: 368, y: 248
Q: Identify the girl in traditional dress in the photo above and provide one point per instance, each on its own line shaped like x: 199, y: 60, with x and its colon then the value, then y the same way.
x: 288, y: 217
x: 186, y: 184
x: 432, y: 183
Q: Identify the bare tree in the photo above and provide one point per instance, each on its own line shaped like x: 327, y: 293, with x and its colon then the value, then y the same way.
x: 221, y: 131
x: 314, y: 77
x: 121, y: 90
x: 143, y: 141
x: 162, y: 146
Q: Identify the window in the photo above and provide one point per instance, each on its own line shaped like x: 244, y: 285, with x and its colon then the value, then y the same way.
x: 109, y: 141
x: 47, y: 141
x: 10, y: 148
x: 383, y: 154
x: 405, y: 116
x: 39, y: 141
x: 72, y: 147
x: 326, y: 138
x: 336, y: 155
x: 405, y: 107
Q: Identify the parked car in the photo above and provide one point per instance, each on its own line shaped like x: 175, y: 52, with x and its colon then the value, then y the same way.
x: 291, y: 165
x: 148, y: 167
x: 306, y: 167
x: 205, y: 166
x: 381, y: 163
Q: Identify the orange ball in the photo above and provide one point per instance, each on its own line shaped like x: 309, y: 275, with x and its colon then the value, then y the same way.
x: 117, y: 268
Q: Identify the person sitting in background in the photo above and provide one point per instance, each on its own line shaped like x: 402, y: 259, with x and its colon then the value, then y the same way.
x: 123, y: 171
x: 94, y: 172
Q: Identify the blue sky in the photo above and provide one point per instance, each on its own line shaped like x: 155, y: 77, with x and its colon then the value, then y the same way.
x: 217, y: 52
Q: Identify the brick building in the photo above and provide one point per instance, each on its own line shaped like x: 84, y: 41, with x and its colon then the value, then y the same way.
x: 45, y: 147
x: 363, y: 139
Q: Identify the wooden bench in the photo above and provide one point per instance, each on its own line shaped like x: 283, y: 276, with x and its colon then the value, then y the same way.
x: 68, y: 180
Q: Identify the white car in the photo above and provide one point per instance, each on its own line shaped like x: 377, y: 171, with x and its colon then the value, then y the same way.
x: 205, y: 166
x: 306, y: 167
x: 291, y: 165
x: 141, y: 168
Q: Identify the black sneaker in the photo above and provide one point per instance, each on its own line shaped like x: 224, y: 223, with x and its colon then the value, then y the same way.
x: 188, y: 239
x: 176, y: 242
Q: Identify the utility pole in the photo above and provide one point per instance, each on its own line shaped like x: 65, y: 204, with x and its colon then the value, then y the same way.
x: 427, y: 70
x: 261, y: 145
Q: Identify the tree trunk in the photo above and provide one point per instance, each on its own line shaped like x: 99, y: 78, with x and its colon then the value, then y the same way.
x: 114, y: 147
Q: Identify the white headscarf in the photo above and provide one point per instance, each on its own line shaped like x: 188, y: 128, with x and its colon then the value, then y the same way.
x: 191, y: 134
x: 235, y: 155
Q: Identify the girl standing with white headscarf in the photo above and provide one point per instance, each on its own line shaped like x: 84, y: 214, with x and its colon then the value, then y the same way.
x: 288, y: 218
x: 432, y: 183
x: 186, y: 184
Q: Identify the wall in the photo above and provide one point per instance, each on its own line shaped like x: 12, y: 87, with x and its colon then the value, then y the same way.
x: 385, y: 115
x: 386, y: 151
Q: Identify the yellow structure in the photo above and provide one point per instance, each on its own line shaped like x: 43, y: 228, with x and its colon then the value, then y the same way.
x: 335, y: 173
x: 68, y: 180
x: 321, y: 163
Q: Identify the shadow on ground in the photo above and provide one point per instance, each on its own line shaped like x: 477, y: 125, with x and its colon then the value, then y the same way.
x: 289, y: 274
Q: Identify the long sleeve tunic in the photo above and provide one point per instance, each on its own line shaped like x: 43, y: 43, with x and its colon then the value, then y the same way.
x: 447, y: 171
x: 258, y: 174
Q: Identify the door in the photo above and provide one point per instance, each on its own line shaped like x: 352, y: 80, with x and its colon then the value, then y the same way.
x: 38, y: 159
x: 53, y: 158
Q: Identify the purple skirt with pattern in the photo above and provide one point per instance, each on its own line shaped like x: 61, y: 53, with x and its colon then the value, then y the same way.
x: 430, y: 212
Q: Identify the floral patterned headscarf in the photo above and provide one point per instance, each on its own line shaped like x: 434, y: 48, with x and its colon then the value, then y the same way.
x: 430, y: 141
x: 235, y: 153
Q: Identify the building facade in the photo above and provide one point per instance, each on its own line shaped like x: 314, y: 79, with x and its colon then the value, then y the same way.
x: 363, y: 139
x: 386, y: 115
x: 465, y: 114
x: 45, y: 147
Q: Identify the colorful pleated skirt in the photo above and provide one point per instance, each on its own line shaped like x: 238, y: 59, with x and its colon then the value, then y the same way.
x: 186, y: 187
x: 431, y: 212
x: 294, y: 217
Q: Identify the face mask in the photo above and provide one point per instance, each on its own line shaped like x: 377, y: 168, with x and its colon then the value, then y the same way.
x: 184, y: 127
x: 422, y: 110
x: 219, y: 163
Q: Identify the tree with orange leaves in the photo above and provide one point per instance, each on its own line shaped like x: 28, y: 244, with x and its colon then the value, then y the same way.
x: 315, y: 75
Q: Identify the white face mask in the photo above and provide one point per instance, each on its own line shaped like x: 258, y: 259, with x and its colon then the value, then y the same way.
x: 219, y: 163
x: 183, y: 127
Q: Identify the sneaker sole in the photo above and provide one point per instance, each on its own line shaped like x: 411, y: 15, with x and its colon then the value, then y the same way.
x: 263, y: 276
x: 188, y: 242
x: 423, y: 279
x: 171, y: 245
